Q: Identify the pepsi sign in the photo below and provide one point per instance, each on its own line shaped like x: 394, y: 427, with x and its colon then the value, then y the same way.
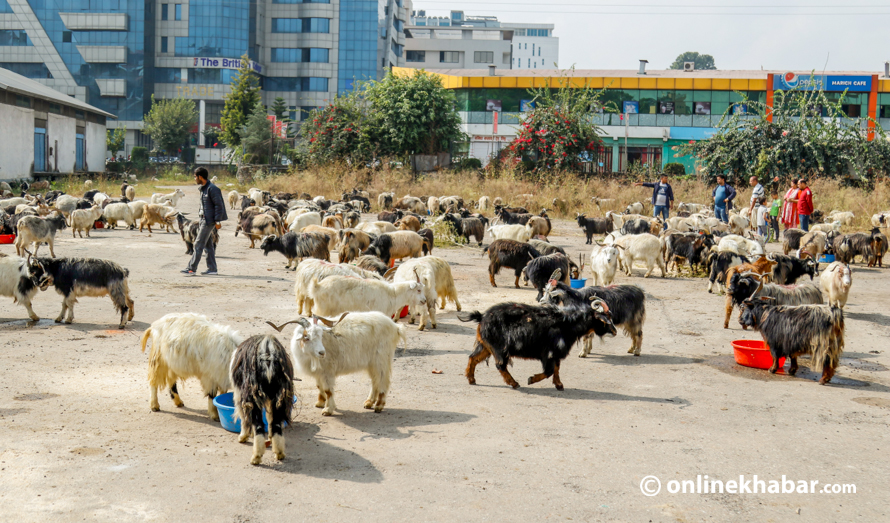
x: 789, y: 81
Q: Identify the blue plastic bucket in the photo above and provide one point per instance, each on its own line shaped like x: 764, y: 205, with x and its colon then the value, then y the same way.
x: 225, y: 404
x: 826, y: 258
x: 578, y: 284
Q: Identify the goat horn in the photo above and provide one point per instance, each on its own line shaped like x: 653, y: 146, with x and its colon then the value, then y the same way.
x: 598, y: 304
x: 557, y: 275
x: 279, y: 327
x: 389, y: 273
x: 417, y: 276
x: 752, y: 274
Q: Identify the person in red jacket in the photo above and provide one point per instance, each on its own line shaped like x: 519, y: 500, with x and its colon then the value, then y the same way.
x: 804, y: 204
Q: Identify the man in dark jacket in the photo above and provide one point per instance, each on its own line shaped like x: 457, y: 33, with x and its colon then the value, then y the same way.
x: 723, y: 196
x: 662, y: 197
x: 213, y: 211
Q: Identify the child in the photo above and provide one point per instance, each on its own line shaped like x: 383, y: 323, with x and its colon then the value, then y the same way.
x: 761, y: 211
x: 774, y: 213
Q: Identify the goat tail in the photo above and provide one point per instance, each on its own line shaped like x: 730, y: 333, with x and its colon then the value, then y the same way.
x: 485, y: 250
x: 829, y: 348
x: 403, y: 335
x: 470, y: 316
x: 145, y: 336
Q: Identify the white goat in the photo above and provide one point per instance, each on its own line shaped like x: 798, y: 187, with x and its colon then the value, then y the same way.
x: 337, y: 294
x: 303, y: 220
x: 510, y: 232
x: 309, y: 270
x: 16, y: 282
x: 634, y: 208
x: 359, y: 341
x: 645, y: 247
x: 484, y: 204
x: 740, y: 245
x: 119, y: 212
x: 836, y: 281
x: 234, y: 197
x: 827, y: 227
x: 186, y: 345
x: 738, y: 224
x: 83, y: 220
x: 604, y: 263
x: 173, y: 197
x: 100, y: 198
x: 435, y: 274
x: 844, y: 217
x: 136, y: 209
x: 33, y: 229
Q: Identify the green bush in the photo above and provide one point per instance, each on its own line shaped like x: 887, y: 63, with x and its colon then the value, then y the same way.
x: 139, y: 157
x: 675, y: 169
x: 469, y: 164
x: 115, y: 167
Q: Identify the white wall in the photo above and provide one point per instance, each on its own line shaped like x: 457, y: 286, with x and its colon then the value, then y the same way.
x: 95, y: 148
x: 62, y: 129
x: 17, y: 145
x: 545, y: 49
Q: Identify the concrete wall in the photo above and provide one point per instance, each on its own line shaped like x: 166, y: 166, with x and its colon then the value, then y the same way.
x: 95, y: 147
x: 17, y: 145
x: 465, y: 47
x: 62, y: 130
x: 535, y: 52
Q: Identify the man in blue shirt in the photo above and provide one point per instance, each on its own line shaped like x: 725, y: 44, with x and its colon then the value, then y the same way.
x: 723, y: 195
x: 662, y: 197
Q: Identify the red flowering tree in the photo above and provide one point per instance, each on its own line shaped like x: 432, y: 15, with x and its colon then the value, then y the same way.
x: 559, y: 133
x: 338, y: 131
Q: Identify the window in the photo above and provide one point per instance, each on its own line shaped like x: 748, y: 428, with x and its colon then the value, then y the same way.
x: 398, y: 24
x: 164, y: 43
x: 168, y: 75
x: 295, y: 84
x: 178, y: 11
x: 415, y: 56
x: 397, y: 49
x: 449, y: 57
x: 66, y: 36
x: 287, y: 55
x: 22, y: 101
x: 55, y: 108
x: 539, y: 50
x: 533, y: 49
x: 483, y: 57
x: 301, y: 25
x: 205, y: 76
x: 14, y: 37
x: 529, y: 63
x: 165, y: 12
x: 301, y: 1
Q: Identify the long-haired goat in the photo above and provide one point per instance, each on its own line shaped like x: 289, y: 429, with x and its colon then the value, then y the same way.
x: 593, y: 226
x: 16, y: 282
x: 792, y: 331
x: 510, y: 254
x: 544, y: 333
x: 720, y: 263
x: 789, y: 269
x: 262, y: 379
x: 337, y: 294
x: 296, y: 246
x: 435, y: 274
x: 33, y: 229
x: 879, y: 246
x: 313, y: 269
x: 744, y: 285
x: 358, y: 341
x: 188, y: 229
x: 836, y: 281
x: 466, y: 227
x: 540, y: 270
x: 396, y: 245
x: 186, y: 345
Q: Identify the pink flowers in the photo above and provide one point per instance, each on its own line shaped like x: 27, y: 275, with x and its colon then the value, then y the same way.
x: 785, y: 133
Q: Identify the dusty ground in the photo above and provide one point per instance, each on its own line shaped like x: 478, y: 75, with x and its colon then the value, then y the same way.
x: 78, y: 442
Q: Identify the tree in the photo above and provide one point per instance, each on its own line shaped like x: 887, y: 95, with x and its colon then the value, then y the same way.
x: 256, y: 136
x: 282, y: 114
x: 170, y: 122
x: 413, y: 114
x: 558, y: 132
x: 702, y: 61
x: 809, y: 134
x: 240, y: 103
x: 340, y: 131
x: 114, y: 140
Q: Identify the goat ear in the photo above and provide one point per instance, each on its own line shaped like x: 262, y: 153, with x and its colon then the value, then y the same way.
x: 557, y: 275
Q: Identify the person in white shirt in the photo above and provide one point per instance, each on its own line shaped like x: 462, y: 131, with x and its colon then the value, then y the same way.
x: 758, y: 194
x: 762, y: 215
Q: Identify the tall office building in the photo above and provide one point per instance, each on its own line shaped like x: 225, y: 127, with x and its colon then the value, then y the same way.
x: 116, y: 54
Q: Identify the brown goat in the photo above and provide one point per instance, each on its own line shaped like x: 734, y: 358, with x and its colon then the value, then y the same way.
x: 408, y: 223
x: 762, y: 265
x: 352, y: 244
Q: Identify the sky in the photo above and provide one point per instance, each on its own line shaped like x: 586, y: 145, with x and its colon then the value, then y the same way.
x: 740, y: 34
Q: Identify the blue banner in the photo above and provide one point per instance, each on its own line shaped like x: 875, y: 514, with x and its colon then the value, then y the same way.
x: 855, y: 84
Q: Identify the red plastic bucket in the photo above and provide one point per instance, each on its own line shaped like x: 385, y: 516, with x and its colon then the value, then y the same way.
x: 754, y: 354
x: 98, y: 225
x: 7, y: 239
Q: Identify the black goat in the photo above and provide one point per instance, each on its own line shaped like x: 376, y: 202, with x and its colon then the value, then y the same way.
x: 466, y: 227
x: 636, y: 226
x: 90, y: 194
x: 543, y: 268
x: 74, y: 277
x: 689, y: 248
x: 390, y: 216
x: 544, y: 333
x: 511, y: 254
x: 627, y: 305
x: 263, y: 379
x: 188, y: 229
x: 789, y: 269
x: 791, y: 331
x: 381, y: 248
x: 593, y: 226
x: 428, y: 240
x: 848, y: 246
x: 297, y: 245
x: 510, y: 218
x: 879, y: 245
x: 545, y: 248
x: 51, y: 196
x: 246, y: 202
x: 720, y: 262
x: 791, y: 240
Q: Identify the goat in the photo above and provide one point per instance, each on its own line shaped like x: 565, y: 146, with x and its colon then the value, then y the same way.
x: 636, y: 226
x: 848, y: 246
x: 604, y: 263
x: 537, y: 227
x: 593, y: 226
x: 332, y: 222
x: 814, y: 245
x: 845, y: 218
x: 691, y: 207
x: 791, y: 331
x: 690, y: 248
x: 738, y: 224
x: 234, y: 197
x: 635, y: 208
x: 879, y: 245
x: 173, y: 197
x: 484, y: 203
x: 188, y: 229
x: 16, y: 282
x: 186, y: 345
x: 337, y: 294
x: 788, y: 269
x: 84, y: 219
x: 514, y: 232
x: 313, y: 269
x: 256, y: 226
x: 429, y: 240
x: 626, y: 303
x: 332, y: 234
x: 836, y: 281
x: 511, y: 254
x: 296, y: 246
x: 511, y: 218
x: 540, y: 270
x: 396, y: 245
x: 740, y: 245
x: 744, y: 285
x: 435, y: 274
x: 372, y: 264
x: 761, y: 265
x: 645, y: 247
x: 466, y: 227
x: 136, y: 210
x: 301, y: 221
x: 262, y: 379
x: 115, y: 212
x: 432, y: 206
x: 720, y: 263
x: 384, y: 200
x: 408, y: 223
x: 33, y: 229
x: 791, y: 240
x: 391, y: 217
x: 352, y: 243
x: 154, y: 213
x: 410, y: 203
x: 128, y: 192
x: 358, y: 341
x: 77, y: 277
x: 546, y: 333
x: 545, y: 248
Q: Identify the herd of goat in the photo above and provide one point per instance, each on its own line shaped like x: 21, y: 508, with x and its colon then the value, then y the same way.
x: 366, y: 290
